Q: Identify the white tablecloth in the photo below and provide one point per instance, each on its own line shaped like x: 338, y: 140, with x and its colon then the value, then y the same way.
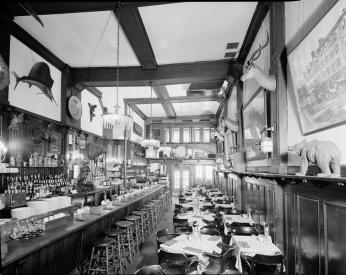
x: 251, y: 245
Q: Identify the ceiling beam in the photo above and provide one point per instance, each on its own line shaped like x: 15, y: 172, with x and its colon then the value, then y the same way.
x: 42, y: 8
x: 162, y: 94
x: 255, y: 24
x: 137, y: 111
x: 177, y: 99
x: 133, y: 27
x: 163, y: 75
x: 210, y: 85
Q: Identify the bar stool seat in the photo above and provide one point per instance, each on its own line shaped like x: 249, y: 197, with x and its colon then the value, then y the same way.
x: 103, y: 242
x: 123, y: 224
x: 132, y: 218
x: 114, y: 232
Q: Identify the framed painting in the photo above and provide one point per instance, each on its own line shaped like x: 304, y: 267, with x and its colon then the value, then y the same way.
x: 318, y: 72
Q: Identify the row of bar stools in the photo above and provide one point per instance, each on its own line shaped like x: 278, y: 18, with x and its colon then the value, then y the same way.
x: 141, y: 215
x: 118, y: 249
x: 136, y: 232
x: 102, y: 256
x: 148, y: 226
x: 128, y: 241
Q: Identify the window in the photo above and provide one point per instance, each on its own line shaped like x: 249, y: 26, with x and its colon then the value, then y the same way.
x: 156, y: 133
x: 206, y: 135
x: 187, y: 135
x: 199, y: 172
x: 176, y: 135
x: 177, y: 179
x: 186, y: 179
x: 167, y: 135
x: 209, y: 172
x: 196, y: 134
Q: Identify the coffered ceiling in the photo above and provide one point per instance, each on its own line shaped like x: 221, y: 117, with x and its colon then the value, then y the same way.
x: 179, y: 47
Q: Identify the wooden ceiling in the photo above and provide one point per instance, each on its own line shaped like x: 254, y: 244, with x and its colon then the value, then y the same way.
x: 202, y: 75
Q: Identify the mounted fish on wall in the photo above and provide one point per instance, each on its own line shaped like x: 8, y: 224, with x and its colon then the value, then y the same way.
x: 4, y: 74
x: 92, y: 108
x: 39, y: 76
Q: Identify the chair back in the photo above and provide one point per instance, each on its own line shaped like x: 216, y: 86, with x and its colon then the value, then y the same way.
x: 210, y: 231
x: 245, y: 231
x: 178, y: 206
x: 161, y: 233
x: 151, y: 270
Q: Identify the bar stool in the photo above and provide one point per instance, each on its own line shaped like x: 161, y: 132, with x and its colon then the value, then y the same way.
x: 101, y: 256
x: 151, y: 215
x: 128, y: 241
x: 137, y: 231
x: 117, y: 235
x: 141, y: 215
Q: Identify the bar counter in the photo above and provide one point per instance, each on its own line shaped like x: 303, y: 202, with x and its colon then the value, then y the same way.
x: 62, y: 249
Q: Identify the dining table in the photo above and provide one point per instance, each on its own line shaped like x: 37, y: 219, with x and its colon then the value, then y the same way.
x: 252, y: 245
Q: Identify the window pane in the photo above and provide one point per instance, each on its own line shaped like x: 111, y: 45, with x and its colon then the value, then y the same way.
x: 196, y: 134
x: 209, y: 172
x: 199, y: 172
x: 206, y: 135
x: 186, y: 135
x: 167, y: 135
x: 186, y: 179
x: 176, y: 135
x: 176, y: 178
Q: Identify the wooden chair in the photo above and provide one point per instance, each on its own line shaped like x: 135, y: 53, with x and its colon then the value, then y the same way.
x: 210, y: 231
x: 164, y: 233
x: 181, y: 225
x: 244, y: 229
x: 263, y: 264
x: 151, y: 270
x: 182, y: 263
x: 218, y: 263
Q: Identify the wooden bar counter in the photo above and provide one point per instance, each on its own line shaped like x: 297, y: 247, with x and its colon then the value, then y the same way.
x: 60, y: 250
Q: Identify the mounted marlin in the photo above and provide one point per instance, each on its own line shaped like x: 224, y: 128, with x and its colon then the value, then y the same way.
x: 40, y: 77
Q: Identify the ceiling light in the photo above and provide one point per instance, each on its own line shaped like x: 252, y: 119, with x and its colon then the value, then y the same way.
x: 119, y: 121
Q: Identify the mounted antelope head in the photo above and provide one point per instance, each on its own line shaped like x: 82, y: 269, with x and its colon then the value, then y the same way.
x: 253, y: 71
x: 92, y: 111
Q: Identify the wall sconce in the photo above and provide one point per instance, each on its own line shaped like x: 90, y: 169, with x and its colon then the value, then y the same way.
x: 266, y: 143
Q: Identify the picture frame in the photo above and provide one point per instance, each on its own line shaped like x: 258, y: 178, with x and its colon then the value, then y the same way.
x: 318, y: 72
x: 255, y: 120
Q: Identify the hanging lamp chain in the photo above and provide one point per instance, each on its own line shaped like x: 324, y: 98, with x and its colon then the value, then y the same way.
x: 118, y: 51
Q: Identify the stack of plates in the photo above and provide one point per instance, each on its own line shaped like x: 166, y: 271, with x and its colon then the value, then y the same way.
x: 38, y: 207
x: 21, y: 213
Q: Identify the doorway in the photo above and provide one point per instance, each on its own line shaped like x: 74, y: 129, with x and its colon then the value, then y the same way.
x: 181, y: 179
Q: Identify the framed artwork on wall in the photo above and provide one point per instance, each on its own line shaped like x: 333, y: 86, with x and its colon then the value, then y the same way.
x: 318, y: 72
x: 254, y: 117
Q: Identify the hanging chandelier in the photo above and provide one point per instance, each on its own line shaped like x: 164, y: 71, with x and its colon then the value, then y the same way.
x: 151, y: 142
x: 121, y: 123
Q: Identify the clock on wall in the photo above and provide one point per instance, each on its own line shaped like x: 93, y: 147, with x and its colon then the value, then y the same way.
x: 180, y: 152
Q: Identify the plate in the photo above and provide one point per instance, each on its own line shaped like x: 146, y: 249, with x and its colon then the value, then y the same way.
x: 75, y: 107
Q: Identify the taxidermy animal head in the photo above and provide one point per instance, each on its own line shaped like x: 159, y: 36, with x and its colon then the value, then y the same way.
x: 251, y: 70
x: 92, y: 111
x: 16, y: 120
x: 4, y: 74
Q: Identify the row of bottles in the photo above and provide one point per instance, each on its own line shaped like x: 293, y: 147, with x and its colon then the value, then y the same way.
x: 37, y: 186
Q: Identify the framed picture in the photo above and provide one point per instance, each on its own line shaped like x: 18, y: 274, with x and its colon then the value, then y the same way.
x: 137, y: 129
x: 318, y: 72
x: 254, y: 122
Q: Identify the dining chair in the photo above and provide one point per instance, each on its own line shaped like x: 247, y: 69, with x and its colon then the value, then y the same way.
x: 244, y: 229
x: 218, y: 263
x: 181, y: 225
x: 263, y: 264
x: 182, y: 200
x: 178, y: 206
x: 178, y: 211
x: 210, y: 231
x: 184, y: 263
x: 151, y: 270
x: 220, y: 201
x: 207, y: 207
x: 164, y: 233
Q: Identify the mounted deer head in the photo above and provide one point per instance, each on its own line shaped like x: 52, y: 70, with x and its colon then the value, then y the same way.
x: 92, y: 111
x: 253, y: 71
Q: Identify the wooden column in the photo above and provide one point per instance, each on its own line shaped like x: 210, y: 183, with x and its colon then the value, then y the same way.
x: 4, y: 51
x: 278, y: 98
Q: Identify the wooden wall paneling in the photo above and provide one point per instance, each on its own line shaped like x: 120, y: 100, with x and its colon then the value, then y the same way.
x: 334, y: 217
x: 290, y: 232
x: 309, y: 243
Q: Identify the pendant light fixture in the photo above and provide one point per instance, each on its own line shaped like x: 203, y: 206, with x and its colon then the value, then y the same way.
x: 151, y: 142
x: 120, y: 122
